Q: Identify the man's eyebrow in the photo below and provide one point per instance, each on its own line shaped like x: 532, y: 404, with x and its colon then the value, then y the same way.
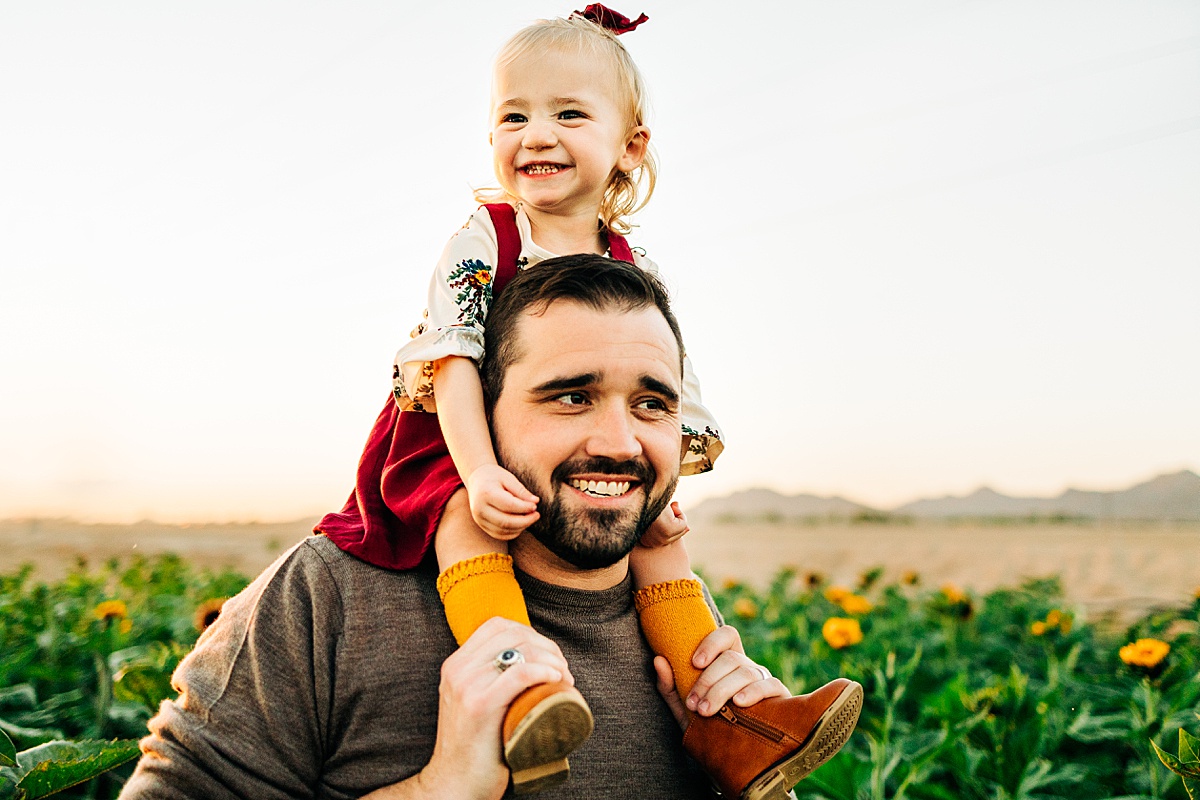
x: 567, y: 383
x: 658, y: 387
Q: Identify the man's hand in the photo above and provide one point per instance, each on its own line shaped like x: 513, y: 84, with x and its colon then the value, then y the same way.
x: 668, y: 527
x: 500, y: 504
x: 728, y: 675
x: 474, y: 695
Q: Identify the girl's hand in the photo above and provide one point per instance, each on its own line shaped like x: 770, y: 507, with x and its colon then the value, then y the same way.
x: 670, y: 527
x: 501, y: 505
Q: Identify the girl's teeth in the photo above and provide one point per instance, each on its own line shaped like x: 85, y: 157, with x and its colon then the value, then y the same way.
x: 541, y: 169
x: 602, y: 488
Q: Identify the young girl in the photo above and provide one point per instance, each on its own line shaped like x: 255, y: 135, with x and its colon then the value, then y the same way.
x: 570, y: 150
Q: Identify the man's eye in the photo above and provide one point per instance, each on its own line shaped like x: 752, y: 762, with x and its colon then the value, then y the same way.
x: 513, y: 118
x: 653, y: 404
x: 572, y: 399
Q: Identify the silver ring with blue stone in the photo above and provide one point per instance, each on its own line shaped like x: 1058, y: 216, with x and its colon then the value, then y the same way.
x: 508, y: 658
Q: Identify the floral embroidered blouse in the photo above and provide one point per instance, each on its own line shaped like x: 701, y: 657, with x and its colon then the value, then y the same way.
x: 460, y: 294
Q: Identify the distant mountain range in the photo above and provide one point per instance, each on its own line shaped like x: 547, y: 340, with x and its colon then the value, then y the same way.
x: 1174, y: 497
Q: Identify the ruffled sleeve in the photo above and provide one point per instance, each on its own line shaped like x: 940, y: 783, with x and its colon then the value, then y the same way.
x: 702, y: 437
x: 460, y: 294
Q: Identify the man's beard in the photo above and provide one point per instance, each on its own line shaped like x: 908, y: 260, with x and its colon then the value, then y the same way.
x: 592, y: 538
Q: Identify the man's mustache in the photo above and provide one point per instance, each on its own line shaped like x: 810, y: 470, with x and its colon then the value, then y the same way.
x: 642, y: 471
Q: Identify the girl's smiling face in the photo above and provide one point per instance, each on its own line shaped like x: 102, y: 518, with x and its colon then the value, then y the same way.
x: 559, y: 132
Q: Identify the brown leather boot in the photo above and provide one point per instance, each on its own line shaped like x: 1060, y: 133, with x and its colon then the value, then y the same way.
x: 761, y: 752
x: 543, y: 725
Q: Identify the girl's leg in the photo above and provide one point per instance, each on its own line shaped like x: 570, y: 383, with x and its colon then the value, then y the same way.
x: 476, y: 581
x: 809, y: 729
x: 547, y: 722
x: 674, y: 615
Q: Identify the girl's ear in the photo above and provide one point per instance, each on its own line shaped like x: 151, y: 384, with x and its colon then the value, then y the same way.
x: 635, y: 149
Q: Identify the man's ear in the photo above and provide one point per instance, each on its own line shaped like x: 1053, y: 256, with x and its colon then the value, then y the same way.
x: 635, y: 149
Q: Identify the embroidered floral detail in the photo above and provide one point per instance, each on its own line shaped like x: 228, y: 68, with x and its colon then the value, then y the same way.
x: 522, y: 262
x: 473, y: 279
x: 422, y: 327
x: 708, y: 431
x: 700, y: 449
x: 421, y: 397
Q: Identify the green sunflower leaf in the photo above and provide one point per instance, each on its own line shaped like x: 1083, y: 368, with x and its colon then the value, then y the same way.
x: 1187, y: 770
x: 8, y: 751
x: 55, y: 766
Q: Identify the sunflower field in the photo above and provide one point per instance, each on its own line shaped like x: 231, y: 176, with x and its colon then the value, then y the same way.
x: 90, y: 657
x: 1005, y: 696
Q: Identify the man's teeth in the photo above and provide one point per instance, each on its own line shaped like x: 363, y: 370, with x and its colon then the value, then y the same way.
x: 602, y: 488
x: 541, y: 169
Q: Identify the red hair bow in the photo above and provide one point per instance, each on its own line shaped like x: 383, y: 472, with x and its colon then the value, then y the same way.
x: 610, y: 20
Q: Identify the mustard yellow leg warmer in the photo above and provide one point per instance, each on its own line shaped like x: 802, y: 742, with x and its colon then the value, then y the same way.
x: 675, y: 619
x: 477, y: 589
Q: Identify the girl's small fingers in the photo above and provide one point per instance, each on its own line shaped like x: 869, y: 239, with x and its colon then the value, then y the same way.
x: 511, y: 504
x: 499, y: 518
x: 517, y: 489
x: 510, y: 526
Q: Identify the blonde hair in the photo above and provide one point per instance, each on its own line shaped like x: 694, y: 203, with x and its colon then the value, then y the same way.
x: 623, y: 196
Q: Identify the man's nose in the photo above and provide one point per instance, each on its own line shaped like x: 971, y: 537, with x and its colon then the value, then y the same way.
x: 613, y: 436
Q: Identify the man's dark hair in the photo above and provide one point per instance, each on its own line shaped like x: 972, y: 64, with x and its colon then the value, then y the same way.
x: 593, y: 280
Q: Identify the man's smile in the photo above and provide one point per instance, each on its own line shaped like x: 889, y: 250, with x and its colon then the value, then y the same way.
x: 602, y: 488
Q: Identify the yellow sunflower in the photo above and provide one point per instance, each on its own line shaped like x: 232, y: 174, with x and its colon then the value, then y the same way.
x: 1145, y: 653
x: 207, y: 613
x: 111, y: 611
x: 841, y: 632
x: 953, y: 594
x: 855, y: 604
x: 745, y: 608
x: 835, y: 594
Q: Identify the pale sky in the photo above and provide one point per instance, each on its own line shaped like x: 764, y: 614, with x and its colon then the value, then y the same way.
x: 916, y: 246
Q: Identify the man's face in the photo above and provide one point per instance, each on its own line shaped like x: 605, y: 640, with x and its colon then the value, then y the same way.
x: 588, y: 420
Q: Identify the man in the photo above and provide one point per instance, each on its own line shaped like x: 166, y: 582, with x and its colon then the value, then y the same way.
x: 320, y: 680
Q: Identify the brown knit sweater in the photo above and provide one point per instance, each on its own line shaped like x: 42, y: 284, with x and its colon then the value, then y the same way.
x: 320, y: 680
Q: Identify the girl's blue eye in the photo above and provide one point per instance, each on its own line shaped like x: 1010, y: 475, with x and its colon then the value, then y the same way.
x: 570, y: 114
x: 516, y: 118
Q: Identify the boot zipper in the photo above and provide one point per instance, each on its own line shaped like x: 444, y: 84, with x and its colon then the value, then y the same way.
x: 751, y: 724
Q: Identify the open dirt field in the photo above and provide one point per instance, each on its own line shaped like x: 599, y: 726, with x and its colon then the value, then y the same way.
x: 1119, y: 567
x: 1105, y: 567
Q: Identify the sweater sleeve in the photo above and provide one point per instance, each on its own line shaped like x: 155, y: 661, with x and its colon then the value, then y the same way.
x: 460, y: 294
x: 252, y: 715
